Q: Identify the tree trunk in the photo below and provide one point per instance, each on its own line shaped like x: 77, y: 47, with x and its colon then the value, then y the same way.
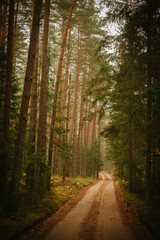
x: 3, y: 17
x: 15, y: 29
x: 67, y: 122
x: 149, y: 135
x: 32, y: 131
x: 99, y: 126
x: 7, y: 100
x: 67, y: 73
x: 68, y: 108
x: 87, y: 137
x: 130, y: 149
x: 79, y: 143
x: 85, y: 144
x: 59, y: 76
x: 74, y: 157
x: 93, y: 138
x: 15, y: 181
x: 39, y: 185
x: 149, y: 110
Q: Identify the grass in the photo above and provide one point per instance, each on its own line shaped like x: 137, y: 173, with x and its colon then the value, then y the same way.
x: 149, y: 215
x: 13, y: 225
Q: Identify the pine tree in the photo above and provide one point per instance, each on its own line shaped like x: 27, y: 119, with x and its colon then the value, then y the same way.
x: 7, y: 100
x: 39, y: 186
x: 59, y: 78
x: 15, y: 181
x: 74, y: 158
x: 80, y: 130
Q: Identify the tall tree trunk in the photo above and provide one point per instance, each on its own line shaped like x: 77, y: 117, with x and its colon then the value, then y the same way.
x: 59, y: 76
x: 87, y: 136
x: 7, y: 100
x: 67, y: 125
x: 64, y: 102
x: 3, y: 16
x: 68, y: 107
x: 40, y: 181
x: 149, y: 134
x: 149, y: 108
x: 74, y: 157
x: 130, y: 149
x: 67, y: 73
x: 3, y: 26
x: 33, y: 121
x: 93, y: 138
x: 85, y: 144
x: 99, y: 126
x: 15, y: 28
x: 79, y: 144
x: 54, y: 157
x: 1, y: 62
x: 1, y: 22
x: 15, y: 181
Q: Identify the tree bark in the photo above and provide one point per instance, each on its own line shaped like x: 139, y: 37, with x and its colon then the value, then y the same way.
x: 7, y: 100
x: 149, y: 108
x: 33, y: 124
x: 67, y: 73
x: 68, y: 108
x: 74, y: 154
x: 40, y: 181
x: 79, y: 143
x: 85, y: 143
x: 93, y: 137
x: 99, y: 126
x: 59, y: 76
x: 130, y: 148
x: 15, y: 181
x: 87, y: 137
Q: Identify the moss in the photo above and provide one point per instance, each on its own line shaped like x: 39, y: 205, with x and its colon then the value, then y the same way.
x: 12, y: 226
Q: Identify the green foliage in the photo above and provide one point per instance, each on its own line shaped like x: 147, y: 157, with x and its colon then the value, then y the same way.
x: 97, y: 157
x: 14, y: 225
x: 148, y: 214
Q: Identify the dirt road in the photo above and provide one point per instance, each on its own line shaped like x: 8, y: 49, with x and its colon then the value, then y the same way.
x: 96, y: 216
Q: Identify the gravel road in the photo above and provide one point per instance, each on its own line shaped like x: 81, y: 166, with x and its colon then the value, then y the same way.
x: 95, y: 217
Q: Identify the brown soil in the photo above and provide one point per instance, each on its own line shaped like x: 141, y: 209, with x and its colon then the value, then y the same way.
x: 89, y: 225
x: 101, y: 221
x: 39, y: 231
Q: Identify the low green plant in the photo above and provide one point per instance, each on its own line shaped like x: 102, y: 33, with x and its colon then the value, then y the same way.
x: 13, y: 225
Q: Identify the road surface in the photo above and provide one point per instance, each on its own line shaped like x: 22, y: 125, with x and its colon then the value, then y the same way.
x: 95, y: 217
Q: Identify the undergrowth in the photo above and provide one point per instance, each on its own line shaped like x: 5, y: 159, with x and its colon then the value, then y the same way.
x: 149, y: 214
x: 13, y: 225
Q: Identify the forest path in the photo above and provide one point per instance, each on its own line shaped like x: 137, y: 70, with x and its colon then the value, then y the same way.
x: 95, y: 216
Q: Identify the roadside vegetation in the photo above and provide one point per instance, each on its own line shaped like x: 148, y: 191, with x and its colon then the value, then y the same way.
x: 13, y: 225
x: 148, y: 214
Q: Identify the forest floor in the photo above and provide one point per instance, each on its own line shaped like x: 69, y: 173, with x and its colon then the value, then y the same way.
x: 98, y: 212
x: 28, y: 217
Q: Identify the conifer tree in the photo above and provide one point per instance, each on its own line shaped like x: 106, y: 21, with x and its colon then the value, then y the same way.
x: 40, y: 181
x: 59, y: 78
x: 7, y: 100
x: 15, y: 181
x: 74, y: 158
